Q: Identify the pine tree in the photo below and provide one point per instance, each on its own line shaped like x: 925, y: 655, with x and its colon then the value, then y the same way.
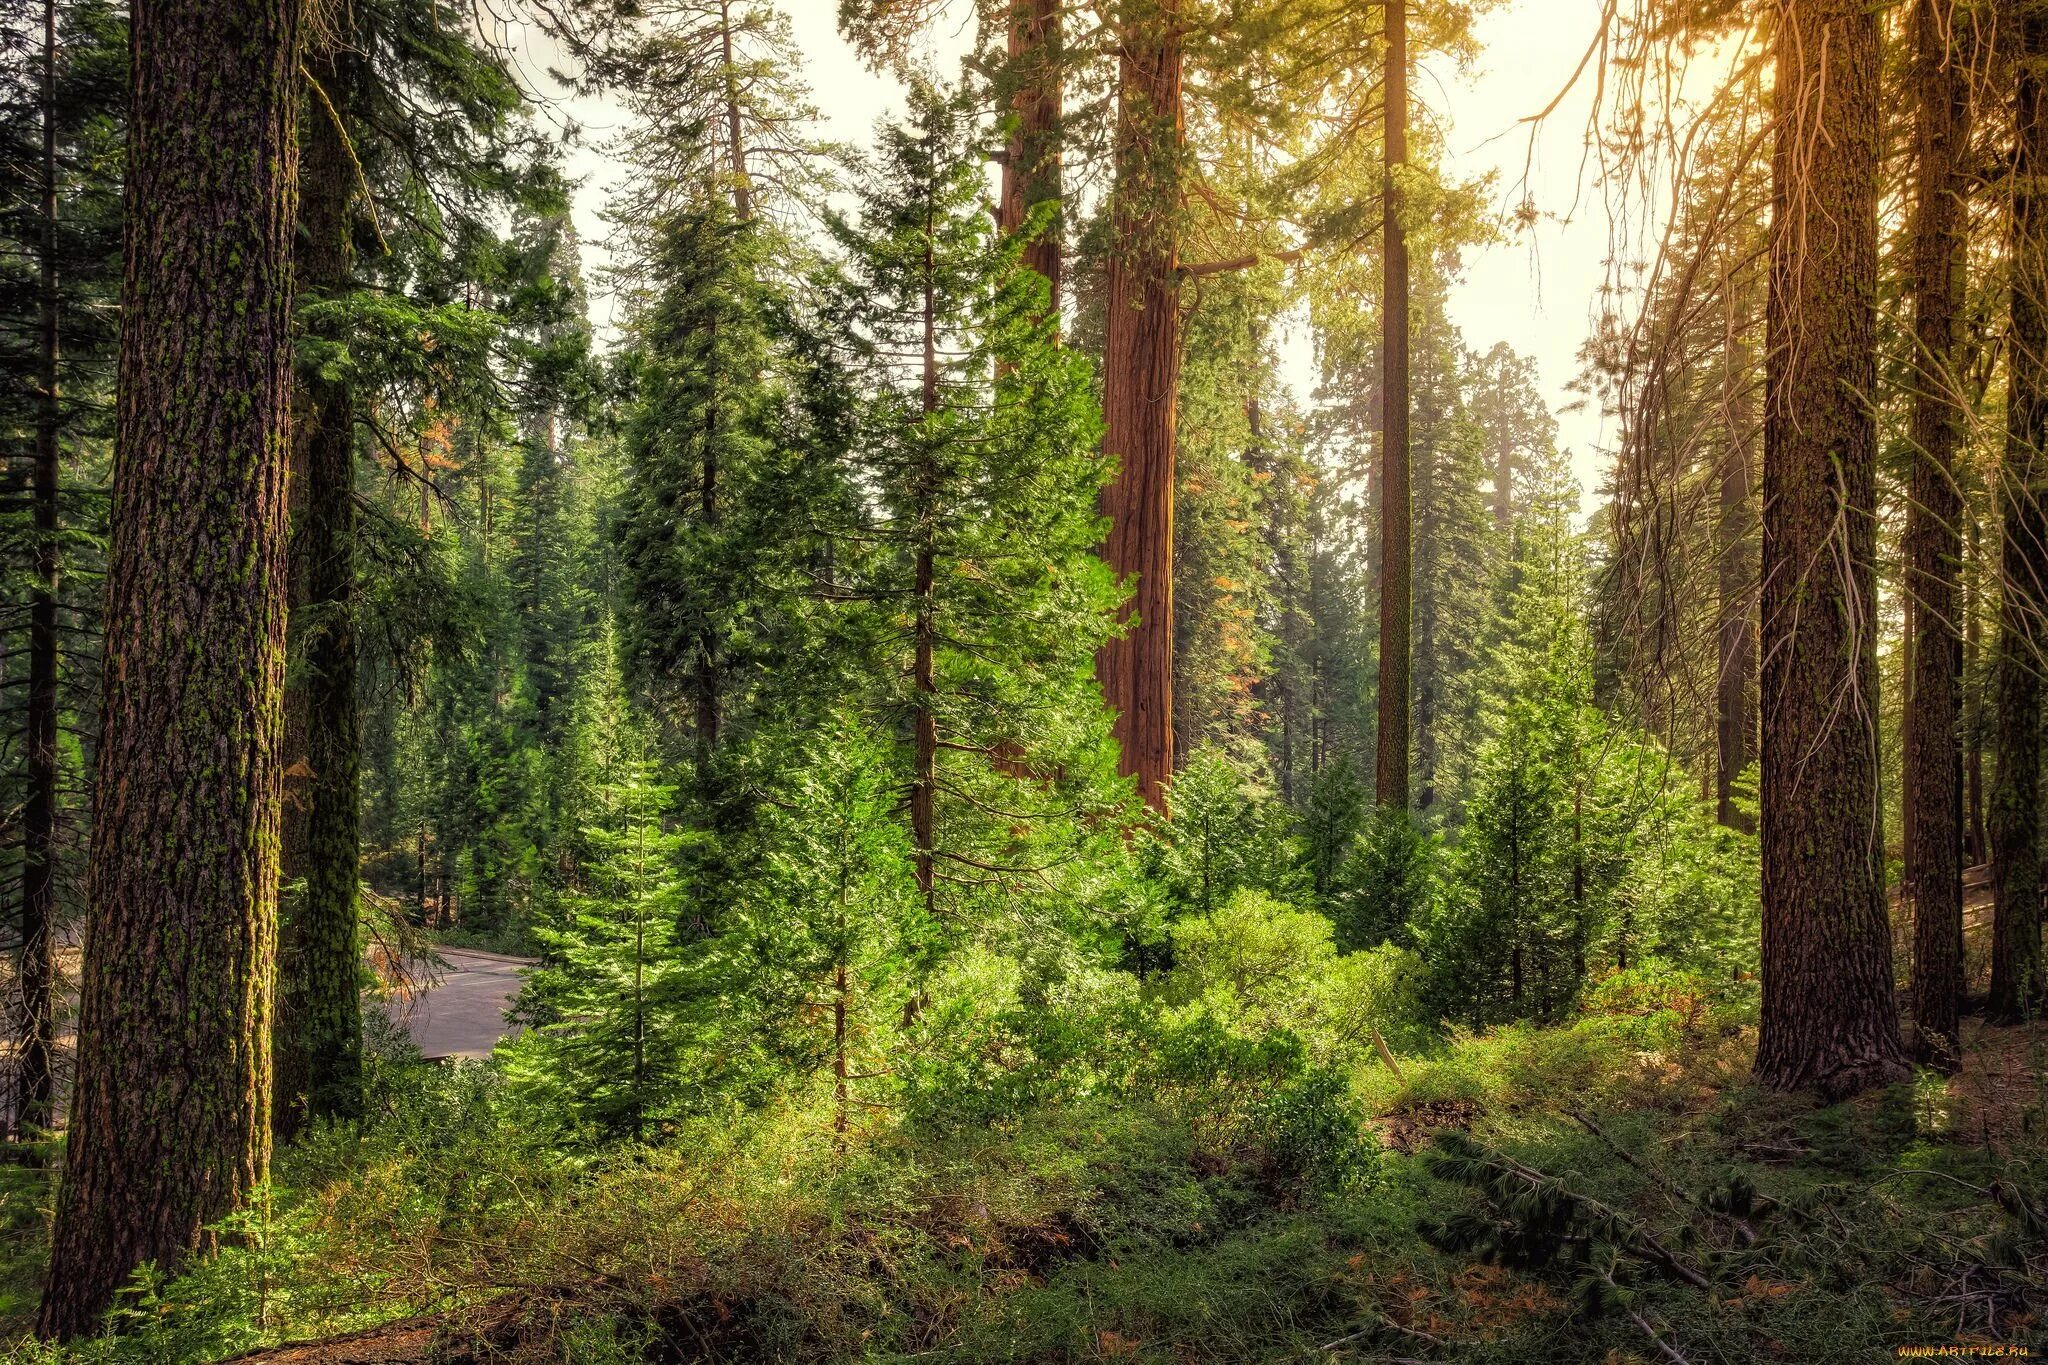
x: 608, y: 1052
x: 977, y: 434
x: 60, y: 136
x: 706, y: 417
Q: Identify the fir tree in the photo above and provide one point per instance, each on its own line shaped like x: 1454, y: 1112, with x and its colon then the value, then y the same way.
x: 977, y: 435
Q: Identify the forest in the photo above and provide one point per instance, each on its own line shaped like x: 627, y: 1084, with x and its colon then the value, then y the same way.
x: 1049, y: 760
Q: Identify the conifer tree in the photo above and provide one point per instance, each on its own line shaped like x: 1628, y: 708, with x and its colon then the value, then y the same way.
x: 1829, y: 1021
x: 170, y: 1115
x: 608, y: 1050
x: 2018, y: 983
x: 977, y: 433
x: 62, y: 77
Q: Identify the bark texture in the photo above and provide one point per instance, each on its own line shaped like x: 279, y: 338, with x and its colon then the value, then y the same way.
x: 1032, y: 170
x: 1829, y: 1022
x: 1933, y: 763
x: 1140, y: 387
x: 1396, y: 533
x: 170, y: 1117
x: 318, y: 1040
x: 2016, y: 979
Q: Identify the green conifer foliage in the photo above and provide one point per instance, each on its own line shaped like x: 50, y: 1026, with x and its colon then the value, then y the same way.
x: 976, y: 434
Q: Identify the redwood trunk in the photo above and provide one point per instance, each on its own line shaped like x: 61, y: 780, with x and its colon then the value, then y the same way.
x: 1032, y: 170
x: 1933, y: 760
x: 1140, y: 384
x: 1829, y: 1022
x: 1396, y: 543
x: 318, y: 1042
x: 2016, y: 983
x: 170, y: 1115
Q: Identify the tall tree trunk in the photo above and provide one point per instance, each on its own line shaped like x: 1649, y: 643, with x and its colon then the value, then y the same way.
x: 707, y: 678
x: 1933, y: 761
x: 1503, y: 458
x: 924, y: 787
x: 1140, y: 387
x: 735, y: 138
x: 1396, y: 544
x: 35, y: 1077
x: 1829, y: 1022
x: 1032, y: 170
x: 1735, y: 683
x: 2016, y: 981
x: 1973, y: 702
x: 170, y: 1116
x: 318, y: 1044
x: 1279, y: 528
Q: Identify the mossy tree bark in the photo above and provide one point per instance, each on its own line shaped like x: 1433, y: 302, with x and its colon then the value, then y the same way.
x: 318, y: 1040
x: 1829, y: 1022
x: 170, y: 1116
x: 1140, y: 386
x: 2016, y: 976
x: 1933, y: 763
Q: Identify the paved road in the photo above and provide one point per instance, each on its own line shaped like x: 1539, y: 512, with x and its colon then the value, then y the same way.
x: 462, y: 1014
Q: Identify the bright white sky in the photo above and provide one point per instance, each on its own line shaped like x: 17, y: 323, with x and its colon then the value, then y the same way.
x: 1536, y: 290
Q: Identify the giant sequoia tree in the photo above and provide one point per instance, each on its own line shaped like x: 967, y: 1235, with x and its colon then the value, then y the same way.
x: 1829, y: 1024
x: 1141, y: 381
x: 170, y: 1118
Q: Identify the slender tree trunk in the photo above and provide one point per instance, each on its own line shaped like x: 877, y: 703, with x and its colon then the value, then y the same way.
x: 735, y: 139
x: 707, y: 680
x: 318, y: 1047
x: 639, y: 1112
x: 841, y: 1092
x: 35, y: 1078
x: 1032, y: 169
x: 1973, y: 703
x: 1396, y: 535
x: 924, y: 787
x: 2016, y: 980
x: 1140, y: 388
x: 1503, y: 457
x: 1735, y: 685
x: 1829, y: 1021
x: 170, y: 1117
x: 1934, y: 546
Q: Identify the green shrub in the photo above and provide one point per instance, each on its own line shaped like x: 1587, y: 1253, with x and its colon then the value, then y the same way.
x: 1267, y: 966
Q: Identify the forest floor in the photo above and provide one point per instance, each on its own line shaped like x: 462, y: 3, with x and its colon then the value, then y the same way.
x: 1130, y: 1231
x: 1907, y: 1217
